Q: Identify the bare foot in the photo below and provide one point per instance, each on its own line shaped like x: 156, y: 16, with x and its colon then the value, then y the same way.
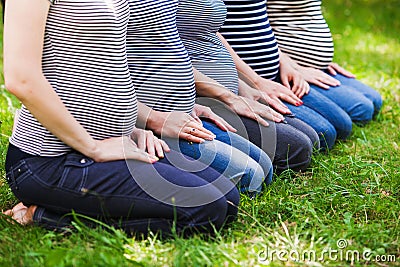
x: 22, y: 214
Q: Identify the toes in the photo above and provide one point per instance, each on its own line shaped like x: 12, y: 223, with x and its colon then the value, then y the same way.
x: 8, y: 213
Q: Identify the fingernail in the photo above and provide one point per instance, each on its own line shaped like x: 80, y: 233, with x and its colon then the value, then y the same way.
x: 298, y: 104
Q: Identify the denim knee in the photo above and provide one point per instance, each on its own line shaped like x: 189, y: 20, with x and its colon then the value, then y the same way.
x: 362, y: 112
x: 343, y: 127
x: 327, y: 135
x: 294, y: 149
x: 369, y: 93
x: 211, y: 215
x: 307, y: 130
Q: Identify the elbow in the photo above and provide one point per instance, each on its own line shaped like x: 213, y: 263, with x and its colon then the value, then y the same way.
x: 18, y: 84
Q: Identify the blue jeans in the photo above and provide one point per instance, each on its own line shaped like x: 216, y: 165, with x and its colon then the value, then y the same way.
x: 360, y: 101
x: 230, y: 154
x: 134, y: 196
x: 328, y: 119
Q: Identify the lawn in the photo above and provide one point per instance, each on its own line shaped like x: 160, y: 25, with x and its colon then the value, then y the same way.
x: 344, y: 211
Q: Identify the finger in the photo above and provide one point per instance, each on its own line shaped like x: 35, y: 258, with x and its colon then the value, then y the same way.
x: 222, y: 124
x: 191, y: 138
x: 279, y: 106
x: 290, y: 97
x: 199, y: 131
x: 329, y: 80
x: 308, y: 88
x: 198, y: 126
x: 158, y: 147
x: 142, y: 156
x: 332, y: 70
x: 305, y: 88
x: 164, y: 146
x: 285, y: 82
x: 261, y: 121
x: 268, y: 113
x: 272, y: 116
x: 8, y: 212
x: 276, y: 115
x: 141, y: 141
x: 298, y: 91
x: 150, y: 144
x: 320, y: 84
x: 196, y: 118
x: 345, y: 72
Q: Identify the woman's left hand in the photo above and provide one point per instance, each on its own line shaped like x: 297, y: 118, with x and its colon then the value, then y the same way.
x: 206, y: 112
x: 147, y: 141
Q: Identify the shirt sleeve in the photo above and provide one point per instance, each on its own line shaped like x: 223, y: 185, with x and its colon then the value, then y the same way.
x: 52, y: 2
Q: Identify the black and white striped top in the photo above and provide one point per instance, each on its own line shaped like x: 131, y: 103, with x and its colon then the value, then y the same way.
x: 302, y: 31
x: 84, y: 59
x: 198, y: 22
x: 248, y: 31
x: 159, y: 64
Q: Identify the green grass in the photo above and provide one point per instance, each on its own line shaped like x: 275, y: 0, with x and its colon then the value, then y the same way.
x: 352, y: 193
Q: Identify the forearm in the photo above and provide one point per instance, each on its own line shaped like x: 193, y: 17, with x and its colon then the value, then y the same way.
x: 246, y: 73
x: 44, y: 104
x: 246, y: 90
x: 285, y: 60
x: 208, y: 87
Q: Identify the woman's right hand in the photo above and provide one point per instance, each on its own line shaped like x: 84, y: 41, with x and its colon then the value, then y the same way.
x: 120, y: 148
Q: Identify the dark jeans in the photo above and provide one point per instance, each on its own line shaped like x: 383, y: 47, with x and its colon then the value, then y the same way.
x: 134, y: 196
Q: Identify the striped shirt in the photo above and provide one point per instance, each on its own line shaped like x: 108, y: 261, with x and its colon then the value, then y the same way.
x: 302, y: 31
x: 158, y: 62
x: 248, y: 31
x: 198, y: 22
x: 84, y: 59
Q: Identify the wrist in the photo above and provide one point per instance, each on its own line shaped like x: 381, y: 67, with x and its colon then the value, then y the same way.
x: 258, y: 82
x: 92, y: 150
x: 156, y: 120
x: 228, y: 97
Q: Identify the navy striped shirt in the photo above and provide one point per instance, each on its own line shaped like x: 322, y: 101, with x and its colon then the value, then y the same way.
x: 248, y: 31
x: 158, y: 62
x: 84, y: 59
x: 302, y: 31
x: 198, y: 22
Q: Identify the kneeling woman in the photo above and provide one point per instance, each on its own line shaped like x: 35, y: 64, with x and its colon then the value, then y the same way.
x: 74, y: 147
x: 163, y: 78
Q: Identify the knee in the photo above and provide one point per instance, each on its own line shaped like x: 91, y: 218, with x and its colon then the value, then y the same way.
x: 343, y: 127
x: 362, y: 112
x: 377, y: 101
x: 327, y: 136
x: 296, y: 155
x: 214, y: 215
x: 269, y: 175
x: 252, y: 180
